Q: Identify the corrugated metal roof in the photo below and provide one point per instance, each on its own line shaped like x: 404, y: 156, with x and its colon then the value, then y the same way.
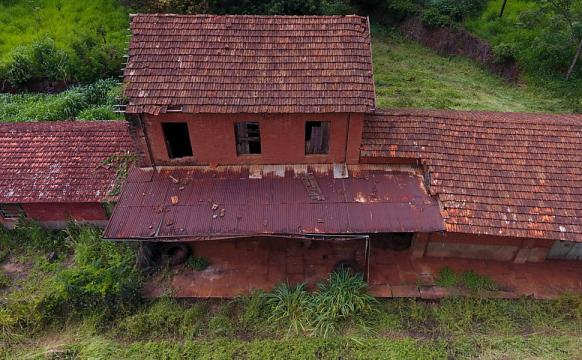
x: 224, y: 201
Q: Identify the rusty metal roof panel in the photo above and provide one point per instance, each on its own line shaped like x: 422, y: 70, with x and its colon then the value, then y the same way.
x: 223, y: 202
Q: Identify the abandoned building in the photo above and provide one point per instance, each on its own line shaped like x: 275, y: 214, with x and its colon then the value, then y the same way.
x: 60, y: 171
x: 258, y: 146
x: 260, y: 149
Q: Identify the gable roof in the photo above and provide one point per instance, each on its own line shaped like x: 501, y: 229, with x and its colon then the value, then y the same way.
x: 249, y: 64
x: 505, y: 174
x: 59, y: 161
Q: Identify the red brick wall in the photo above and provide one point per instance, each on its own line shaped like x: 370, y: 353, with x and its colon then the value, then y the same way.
x: 57, y: 214
x: 472, y: 246
x: 282, y: 138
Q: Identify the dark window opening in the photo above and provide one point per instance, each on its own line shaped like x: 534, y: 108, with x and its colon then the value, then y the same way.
x: 392, y: 241
x: 248, y: 137
x: 11, y: 211
x: 177, y: 139
x: 316, y: 137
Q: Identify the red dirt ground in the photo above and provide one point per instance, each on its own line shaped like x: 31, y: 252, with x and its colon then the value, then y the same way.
x: 238, y: 266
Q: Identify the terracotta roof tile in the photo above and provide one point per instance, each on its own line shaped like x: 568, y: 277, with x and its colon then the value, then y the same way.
x: 509, y: 174
x: 59, y: 161
x: 253, y: 64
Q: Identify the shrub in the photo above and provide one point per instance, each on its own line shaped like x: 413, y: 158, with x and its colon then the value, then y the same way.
x: 337, y: 301
x: 38, y: 60
x: 102, y: 279
x: 197, y: 263
x: 164, y: 318
x: 450, y: 12
x: 5, y: 280
x: 101, y: 112
x: 290, y: 305
x: 342, y: 298
x: 504, y: 52
x: 87, y: 102
x: 470, y: 280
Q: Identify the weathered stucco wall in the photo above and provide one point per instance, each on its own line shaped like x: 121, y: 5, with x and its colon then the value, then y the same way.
x: 469, y: 246
x: 282, y: 138
x: 56, y: 215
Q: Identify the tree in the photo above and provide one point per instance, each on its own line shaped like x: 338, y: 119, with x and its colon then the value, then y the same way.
x: 576, y: 57
x: 502, y: 8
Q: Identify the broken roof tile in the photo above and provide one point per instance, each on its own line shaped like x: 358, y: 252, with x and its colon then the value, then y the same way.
x: 511, y: 174
x: 252, y: 64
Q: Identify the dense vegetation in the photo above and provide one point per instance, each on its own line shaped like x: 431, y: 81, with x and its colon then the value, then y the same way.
x: 543, y: 36
x: 79, y: 43
x: 408, y: 75
x: 72, y: 41
x: 95, y: 101
x: 70, y: 295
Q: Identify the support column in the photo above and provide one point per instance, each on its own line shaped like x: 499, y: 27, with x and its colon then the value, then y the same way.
x: 419, y: 243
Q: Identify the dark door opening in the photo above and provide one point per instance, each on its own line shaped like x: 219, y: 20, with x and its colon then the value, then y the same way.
x: 316, y: 137
x: 248, y: 137
x: 177, y: 139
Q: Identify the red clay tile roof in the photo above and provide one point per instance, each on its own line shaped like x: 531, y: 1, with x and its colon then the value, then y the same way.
x: 249, y: 64
x: 59, y: 161
x: 202, y: 202
x: 503, y: 174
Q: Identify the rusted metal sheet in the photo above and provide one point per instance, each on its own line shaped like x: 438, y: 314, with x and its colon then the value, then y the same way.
x: 249, y: 64
x: 502, y: 174
x: 195, y: 202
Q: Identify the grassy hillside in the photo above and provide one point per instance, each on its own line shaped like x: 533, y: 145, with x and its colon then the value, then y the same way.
x: 409, y: 75
x: 541, y: 41
x: 68, y: 40
x: 63, y: 20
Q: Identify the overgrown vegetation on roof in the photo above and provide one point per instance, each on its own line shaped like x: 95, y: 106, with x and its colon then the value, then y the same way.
x: 69, y: 294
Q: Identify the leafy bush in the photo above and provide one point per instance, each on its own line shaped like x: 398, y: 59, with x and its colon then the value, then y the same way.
x: 5, y: 280
x: 291, y: 305
x: 165, y: 318
x: 80, y: 41
x: 102, y: 279
x: 337, y: 301
x: 93, y: 101
x: 197, y: 263
x: 504, y: 52
x: 38, y: 60
x: 268, y: 7
x: 470, y: 280
x: 449, y: 12
x: 343, y: 298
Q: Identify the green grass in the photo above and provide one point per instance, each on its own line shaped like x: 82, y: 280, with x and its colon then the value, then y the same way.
x: 63, y: 20
x: 78, y: 307
x: 542, y: 48
x: 88, y: 102
x: 408, y: 75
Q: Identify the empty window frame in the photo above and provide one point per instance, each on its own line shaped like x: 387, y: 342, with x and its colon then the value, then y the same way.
x: 177, y: 139
x: 248, y: 137
x: 11, y: 211
x: 316, y: 137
